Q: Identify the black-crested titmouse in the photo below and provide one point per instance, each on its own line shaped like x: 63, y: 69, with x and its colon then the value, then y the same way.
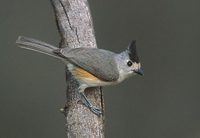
x: 91, y: 67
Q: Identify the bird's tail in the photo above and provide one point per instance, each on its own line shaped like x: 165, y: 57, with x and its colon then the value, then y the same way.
x: 36, y: 45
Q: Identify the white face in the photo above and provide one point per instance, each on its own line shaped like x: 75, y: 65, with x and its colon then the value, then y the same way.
x: 132, y: 67
x: 127, y: 67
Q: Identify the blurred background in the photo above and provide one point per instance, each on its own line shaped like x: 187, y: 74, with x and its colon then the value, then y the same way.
x: 165, y: 103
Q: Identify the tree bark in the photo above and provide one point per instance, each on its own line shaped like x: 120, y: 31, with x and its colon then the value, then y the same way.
x: 75, y: 26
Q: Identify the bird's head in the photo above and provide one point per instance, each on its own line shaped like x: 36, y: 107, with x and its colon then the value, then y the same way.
x: 128, y: 62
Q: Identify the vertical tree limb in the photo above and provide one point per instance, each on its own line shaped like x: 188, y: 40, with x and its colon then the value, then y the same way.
x: 76, y: 30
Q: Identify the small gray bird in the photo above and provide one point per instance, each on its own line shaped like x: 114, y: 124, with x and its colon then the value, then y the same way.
x: 91, y: 67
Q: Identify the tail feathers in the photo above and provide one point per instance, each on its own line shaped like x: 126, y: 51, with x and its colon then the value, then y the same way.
x: 36, y: 45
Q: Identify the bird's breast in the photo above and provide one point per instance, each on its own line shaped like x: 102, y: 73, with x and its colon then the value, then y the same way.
x: 85, y: 77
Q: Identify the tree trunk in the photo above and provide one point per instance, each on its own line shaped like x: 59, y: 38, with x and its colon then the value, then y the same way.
x: 76, y: 30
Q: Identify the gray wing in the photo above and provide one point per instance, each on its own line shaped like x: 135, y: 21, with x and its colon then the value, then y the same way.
x: 101, y: 63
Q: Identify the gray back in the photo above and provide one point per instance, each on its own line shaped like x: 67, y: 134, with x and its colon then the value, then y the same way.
x: 101, y: 63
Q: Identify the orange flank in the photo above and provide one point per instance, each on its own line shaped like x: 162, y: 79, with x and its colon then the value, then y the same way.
x: 84, y: 75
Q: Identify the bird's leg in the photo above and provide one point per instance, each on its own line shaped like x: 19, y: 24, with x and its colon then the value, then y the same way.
x: 87, y: 103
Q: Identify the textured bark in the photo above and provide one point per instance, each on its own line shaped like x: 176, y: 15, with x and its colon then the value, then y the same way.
x: 76, y: 29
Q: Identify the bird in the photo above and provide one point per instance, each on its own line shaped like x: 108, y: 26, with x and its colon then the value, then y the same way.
x: 91, y: 67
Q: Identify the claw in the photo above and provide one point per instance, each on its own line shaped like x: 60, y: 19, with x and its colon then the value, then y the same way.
x: 96, y: 110
x: 88, y: 104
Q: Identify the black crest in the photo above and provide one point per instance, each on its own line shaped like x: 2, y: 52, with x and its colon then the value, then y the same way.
x: 132, y: 52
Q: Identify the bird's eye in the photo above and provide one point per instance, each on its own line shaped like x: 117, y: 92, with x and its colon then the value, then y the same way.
x: 129, y: 63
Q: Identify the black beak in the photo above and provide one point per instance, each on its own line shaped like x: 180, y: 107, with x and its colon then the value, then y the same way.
x: 139, y: 71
